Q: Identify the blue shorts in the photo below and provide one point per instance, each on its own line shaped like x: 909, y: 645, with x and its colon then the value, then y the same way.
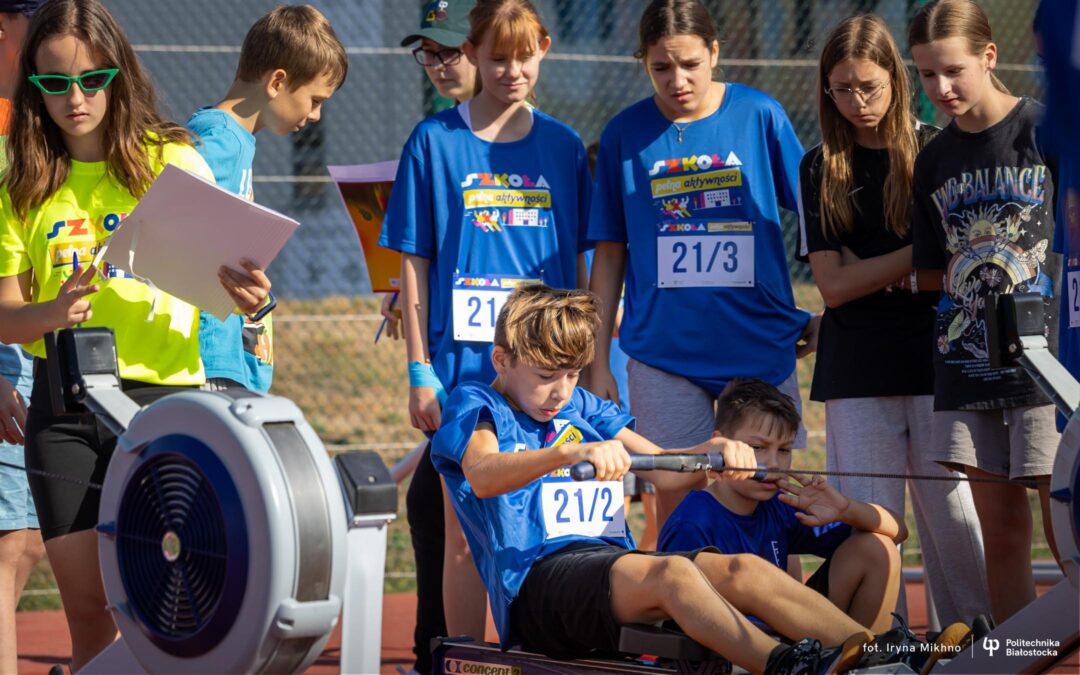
x: 17, y: 510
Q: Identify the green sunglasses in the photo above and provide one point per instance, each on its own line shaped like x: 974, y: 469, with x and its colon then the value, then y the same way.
x: 92, y: 80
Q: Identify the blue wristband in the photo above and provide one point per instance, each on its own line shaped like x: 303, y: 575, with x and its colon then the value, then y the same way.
x: 423, y: 375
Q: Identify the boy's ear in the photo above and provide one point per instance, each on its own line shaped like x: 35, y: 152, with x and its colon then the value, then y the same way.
x: 275, y: 82
x: 500, y: 358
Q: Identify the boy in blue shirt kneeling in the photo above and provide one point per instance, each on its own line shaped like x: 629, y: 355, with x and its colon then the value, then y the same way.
x: 782, y: 515
x: 557, y: 557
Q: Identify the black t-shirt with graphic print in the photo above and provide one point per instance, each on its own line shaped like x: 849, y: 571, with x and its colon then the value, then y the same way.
x: 984, y: 213
x: 879, y: 344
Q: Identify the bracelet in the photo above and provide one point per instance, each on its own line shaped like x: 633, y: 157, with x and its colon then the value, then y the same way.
x: 423, y: 375
x: 266, y: 309
x: 914, y: 281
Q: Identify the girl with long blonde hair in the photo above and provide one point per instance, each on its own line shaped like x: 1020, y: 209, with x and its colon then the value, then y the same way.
x: 874, y: 369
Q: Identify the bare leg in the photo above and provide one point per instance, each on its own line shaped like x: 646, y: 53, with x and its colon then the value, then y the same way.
x: 645, y: 589
x: 864, y: 579
x: 648, y: 539
x: 1048, y: 525
x: 74, y: 561
x: 1005, y: 517
x: 33, y: 552
x: 756, y: 586
x: 464, y: 598
x: 11, y: 550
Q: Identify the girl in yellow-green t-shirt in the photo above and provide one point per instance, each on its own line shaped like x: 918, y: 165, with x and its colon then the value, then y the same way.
x: 85, y: 143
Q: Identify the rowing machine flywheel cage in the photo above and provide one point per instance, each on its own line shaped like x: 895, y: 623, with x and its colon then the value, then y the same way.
x: 223, y: 536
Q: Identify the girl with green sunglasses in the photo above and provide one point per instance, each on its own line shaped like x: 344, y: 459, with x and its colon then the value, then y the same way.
x: 90, y: 81
x: 80, y: 158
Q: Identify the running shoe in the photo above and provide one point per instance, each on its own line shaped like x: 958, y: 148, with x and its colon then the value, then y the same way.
x: 808, y: 657
x: 900, y: 645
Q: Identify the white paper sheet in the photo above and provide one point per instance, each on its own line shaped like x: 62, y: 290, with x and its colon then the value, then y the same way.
x: 185, y: 228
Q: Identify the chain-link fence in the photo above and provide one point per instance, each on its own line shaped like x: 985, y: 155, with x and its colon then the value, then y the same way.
x: 355, y: 392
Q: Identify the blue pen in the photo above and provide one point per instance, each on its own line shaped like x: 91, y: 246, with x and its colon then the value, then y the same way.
x: 382, y: 326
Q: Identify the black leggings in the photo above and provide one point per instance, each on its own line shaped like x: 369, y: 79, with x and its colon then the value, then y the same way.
x: 77, y: 447
x: 424, y: 510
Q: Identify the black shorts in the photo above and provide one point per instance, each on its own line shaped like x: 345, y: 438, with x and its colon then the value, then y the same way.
x: 563, y: 609
x: 77, y: 447
x: 819, y: 580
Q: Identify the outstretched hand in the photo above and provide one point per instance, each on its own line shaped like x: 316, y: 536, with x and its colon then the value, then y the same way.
x: 70, y: 307
x: 817, y: 502
x: 248, y: 291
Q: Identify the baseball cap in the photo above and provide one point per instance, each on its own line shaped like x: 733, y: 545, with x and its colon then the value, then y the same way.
x: 443, y: 21
x: 26, y: 7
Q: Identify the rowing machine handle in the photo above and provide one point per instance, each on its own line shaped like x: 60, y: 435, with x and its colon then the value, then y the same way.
x: 681, y: 463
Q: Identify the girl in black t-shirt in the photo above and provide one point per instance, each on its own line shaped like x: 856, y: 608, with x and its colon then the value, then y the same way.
x: 874, y: 368
x: 984, y: 214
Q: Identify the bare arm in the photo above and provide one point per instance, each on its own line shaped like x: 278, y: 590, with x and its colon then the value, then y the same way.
x: 425, y: 413
x: 22, y: 321
x: 492, y: 473
x: 841, y: 282
x: 875, y: 518
x: 609, y: 267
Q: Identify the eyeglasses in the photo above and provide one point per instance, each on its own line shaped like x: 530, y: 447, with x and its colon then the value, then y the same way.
x: 446, y: 56
x: 93, y: 80
x: 847, y: 94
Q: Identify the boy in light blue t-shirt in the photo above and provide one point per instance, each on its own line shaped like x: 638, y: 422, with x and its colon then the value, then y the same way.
x: 556, y: 556
x: 291, y: 62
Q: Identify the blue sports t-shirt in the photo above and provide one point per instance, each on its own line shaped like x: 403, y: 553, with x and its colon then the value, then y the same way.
x: 771, y: 531
x: 708, y: 294
x: 1058, y: 25
x: 509, y: 532
x: 488, y: 216
x: 229, y: 149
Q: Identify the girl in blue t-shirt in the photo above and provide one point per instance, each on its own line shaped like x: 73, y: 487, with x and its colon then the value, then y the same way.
x: 685, y: 208
x: 488, y: 195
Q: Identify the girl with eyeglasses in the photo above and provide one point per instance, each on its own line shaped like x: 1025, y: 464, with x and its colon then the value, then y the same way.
x: 688, y: 187
x: 984, y: 216
x: 86, y: 141
x: 874, y: 368
x: 488, y: 195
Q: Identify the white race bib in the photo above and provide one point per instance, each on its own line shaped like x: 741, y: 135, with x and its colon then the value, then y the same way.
x: 1074, y: 296
x: 477, y: 301
x: 588, y: 508
x: 705, y: 254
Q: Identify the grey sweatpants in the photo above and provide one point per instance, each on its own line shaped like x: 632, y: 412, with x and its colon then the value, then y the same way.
x: 893, y: 435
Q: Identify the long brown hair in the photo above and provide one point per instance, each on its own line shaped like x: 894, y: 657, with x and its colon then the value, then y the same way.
x: 943, y: 19
x: 38, y: 159
x: 865, y: 37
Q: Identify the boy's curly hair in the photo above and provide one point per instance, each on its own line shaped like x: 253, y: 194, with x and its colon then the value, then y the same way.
x: 744, y: 398
x: 549, y: 328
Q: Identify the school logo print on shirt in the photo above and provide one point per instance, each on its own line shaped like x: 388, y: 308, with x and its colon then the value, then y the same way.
x: 991, y: 219
x: 682, y: 185
x: 75, y: 242
x: 494, y: 201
